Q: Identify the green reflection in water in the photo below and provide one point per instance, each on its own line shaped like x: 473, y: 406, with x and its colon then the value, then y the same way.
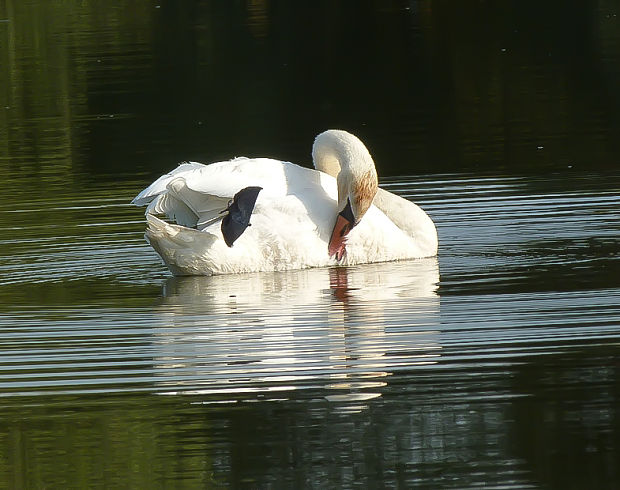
x: 429, y: 86
x: 556, y: 418
x: 113, y: 442
x: 96, y: 99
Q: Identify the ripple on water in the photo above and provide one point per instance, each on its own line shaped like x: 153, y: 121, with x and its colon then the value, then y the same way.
x: 490, y: 300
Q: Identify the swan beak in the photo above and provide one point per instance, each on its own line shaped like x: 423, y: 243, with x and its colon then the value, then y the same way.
x: 336, y: 242
x: 344, y: 222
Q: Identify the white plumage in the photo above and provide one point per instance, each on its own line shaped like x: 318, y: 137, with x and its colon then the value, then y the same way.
x: 293, y: 218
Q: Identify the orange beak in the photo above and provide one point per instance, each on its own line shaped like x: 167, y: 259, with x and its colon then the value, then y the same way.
x: 336, y: 242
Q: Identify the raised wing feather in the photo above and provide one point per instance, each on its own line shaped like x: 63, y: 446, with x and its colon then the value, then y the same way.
x: 159, y: 186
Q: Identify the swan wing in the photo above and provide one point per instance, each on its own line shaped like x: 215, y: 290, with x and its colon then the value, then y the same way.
x: 194, y: 194
x: 159, y: 186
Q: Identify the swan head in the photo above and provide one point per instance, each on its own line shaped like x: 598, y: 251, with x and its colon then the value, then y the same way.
x: 342, y: 155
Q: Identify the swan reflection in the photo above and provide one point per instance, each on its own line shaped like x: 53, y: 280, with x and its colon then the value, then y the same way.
x: 339, y: 330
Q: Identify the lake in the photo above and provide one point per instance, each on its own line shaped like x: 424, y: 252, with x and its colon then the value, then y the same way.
x: 495, y: 364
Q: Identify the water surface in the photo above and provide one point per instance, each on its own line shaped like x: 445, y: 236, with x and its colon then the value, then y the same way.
x: 494, y: 364
x: 381, y: 374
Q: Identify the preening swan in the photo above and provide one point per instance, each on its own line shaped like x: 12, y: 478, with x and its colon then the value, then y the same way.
x: 260, y: 214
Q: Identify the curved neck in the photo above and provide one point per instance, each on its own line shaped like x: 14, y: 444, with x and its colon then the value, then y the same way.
x: 335, y: 151
x: 327, y: 152
x: 344, y: 156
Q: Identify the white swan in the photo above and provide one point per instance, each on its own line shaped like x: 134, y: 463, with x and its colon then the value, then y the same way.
x: 302, y: 218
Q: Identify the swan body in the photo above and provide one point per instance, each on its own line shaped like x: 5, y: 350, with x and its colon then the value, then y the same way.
x: 302, y: 217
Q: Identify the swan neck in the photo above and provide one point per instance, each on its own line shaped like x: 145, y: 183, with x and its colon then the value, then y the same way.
x: 344, y: 156
x: 335, y: 151
x: 326, y: 159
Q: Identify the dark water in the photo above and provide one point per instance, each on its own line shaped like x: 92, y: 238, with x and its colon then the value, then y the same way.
x: 496, y: 364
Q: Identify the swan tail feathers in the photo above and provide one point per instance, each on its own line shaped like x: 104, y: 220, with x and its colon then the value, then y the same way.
x: 172, y: 196
x: 173, y: 207
x: 183, y: 250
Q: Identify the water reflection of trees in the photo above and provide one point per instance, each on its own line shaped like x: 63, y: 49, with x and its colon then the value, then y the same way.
x: 60, y: 57
x: 567, y: 426
x: 550, y: 422
x: 429, y: 85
